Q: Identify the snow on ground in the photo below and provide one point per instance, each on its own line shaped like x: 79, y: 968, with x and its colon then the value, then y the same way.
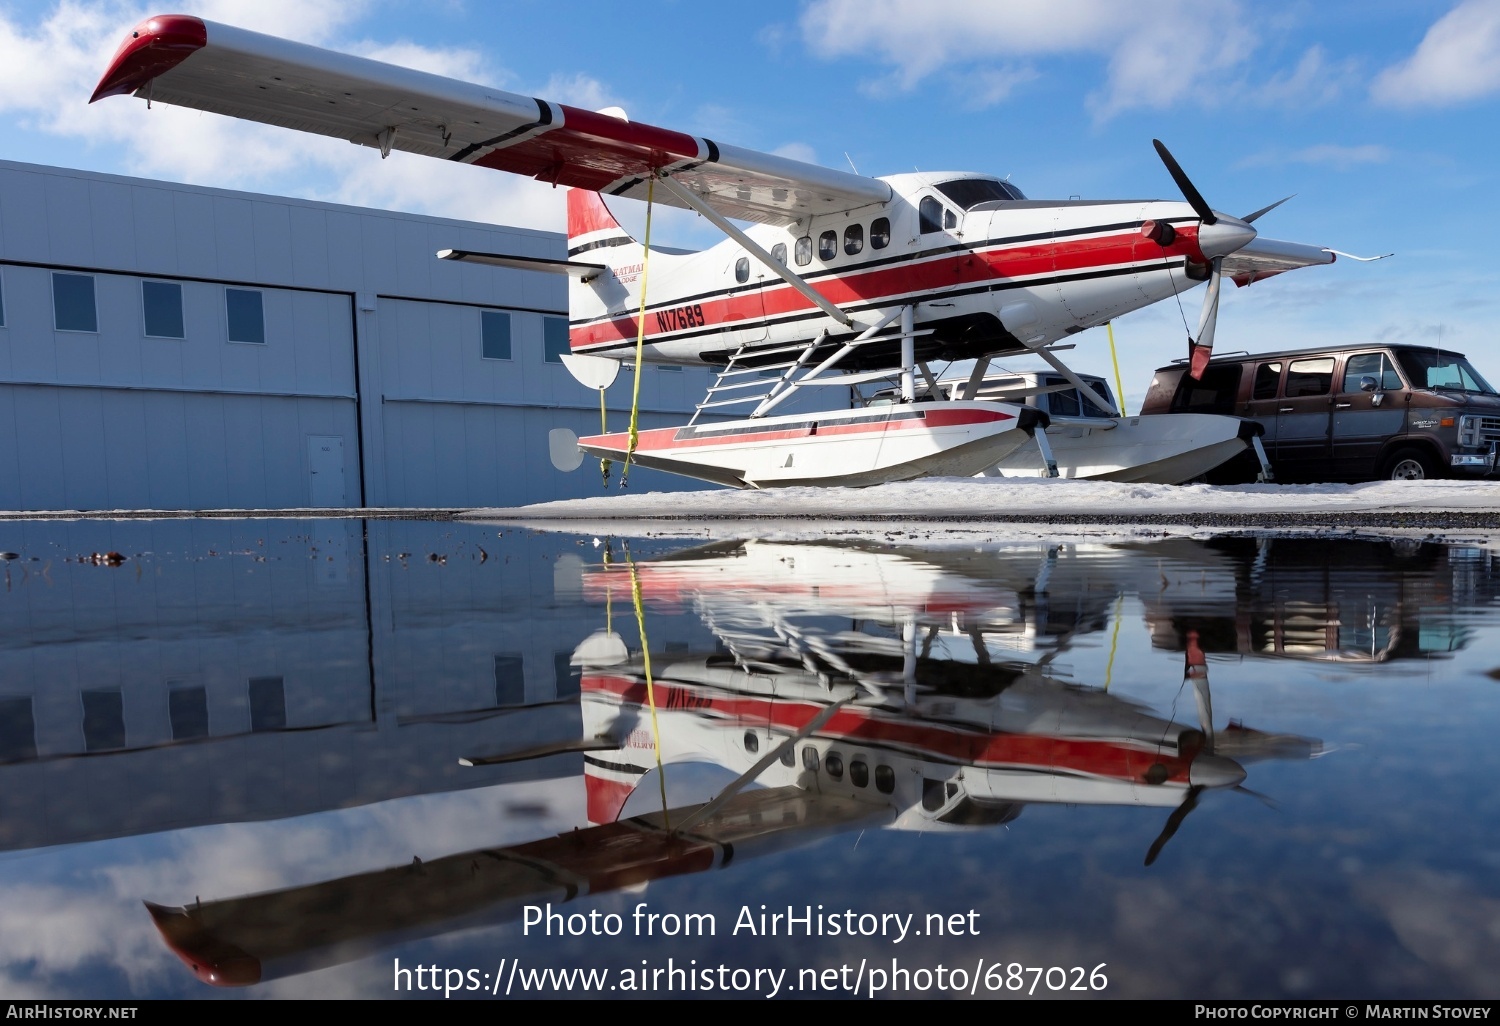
x: 978, y: 498
x: 958, y: 510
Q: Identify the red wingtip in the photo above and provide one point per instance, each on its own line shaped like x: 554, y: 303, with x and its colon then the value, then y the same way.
x: 213, y: 961
x: 154, y: 47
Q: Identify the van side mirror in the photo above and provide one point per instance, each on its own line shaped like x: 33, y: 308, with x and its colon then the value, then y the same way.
x: 1368, y: 384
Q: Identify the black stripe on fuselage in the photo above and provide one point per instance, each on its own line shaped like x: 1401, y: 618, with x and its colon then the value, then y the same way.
x: 544, y: 117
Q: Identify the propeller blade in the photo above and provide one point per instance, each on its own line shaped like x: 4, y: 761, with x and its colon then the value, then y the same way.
x: 1201, y: 349
x: 1250, y: 218
x: 1173, y: 822
x: 1185, y: 185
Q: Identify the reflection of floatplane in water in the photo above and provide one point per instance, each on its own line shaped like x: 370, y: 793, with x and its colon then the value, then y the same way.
x: 840, y: 696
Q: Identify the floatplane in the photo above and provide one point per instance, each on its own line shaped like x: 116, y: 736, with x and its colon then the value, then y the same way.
x: 850, y: 688
x: 841, y: 279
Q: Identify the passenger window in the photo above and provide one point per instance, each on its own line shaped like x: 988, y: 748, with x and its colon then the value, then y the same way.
x: 833, y: 765
x: 1267, y: 377
x: 742, y: 269
x: 803, y: 253
x: 828, y: 245
x: 885, y: 779
x: 859, y: 773
x: 854, y: 239
x: 810, y: 759
x: 950, y: 219
x: 880, y: 233
x: 1309, y: 377
x: 930, y: 215
x: 1370, y: 365
x: 778, y: 253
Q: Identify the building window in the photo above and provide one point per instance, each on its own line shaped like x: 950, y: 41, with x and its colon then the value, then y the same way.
x: 510, y: 679
x: 494, y: 333
x: 565, y: 674
x: 554, y: 339
x: 161, y: 303
x: 247, y: 317
x: 103, y: 720
x: 188, y: 710
x: 267, y: 703
x: 17, y: 730
x: 73, y: 302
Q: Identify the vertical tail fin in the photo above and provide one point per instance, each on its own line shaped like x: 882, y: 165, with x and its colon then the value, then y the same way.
x: 590, y: 224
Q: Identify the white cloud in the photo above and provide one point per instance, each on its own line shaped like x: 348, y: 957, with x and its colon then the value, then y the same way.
x: 1157, y: 54
x: 1341, y: 158
x: 1458, y: 60
x: 49, y: 66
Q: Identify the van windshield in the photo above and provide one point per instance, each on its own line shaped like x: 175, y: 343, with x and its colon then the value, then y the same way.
x: 1448, y: 371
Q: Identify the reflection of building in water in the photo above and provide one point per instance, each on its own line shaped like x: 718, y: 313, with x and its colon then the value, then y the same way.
x: 1308, y: 598
x: 233, y: 670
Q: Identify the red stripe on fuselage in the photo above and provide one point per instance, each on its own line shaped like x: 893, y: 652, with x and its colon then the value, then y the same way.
x: 951, y: 743
x: 930, y: 276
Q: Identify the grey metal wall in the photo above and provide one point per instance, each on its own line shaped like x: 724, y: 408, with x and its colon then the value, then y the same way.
x: 371, y: 388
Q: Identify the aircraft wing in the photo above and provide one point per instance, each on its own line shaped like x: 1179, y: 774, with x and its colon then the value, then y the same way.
x: 1262, y: 258
x: 183, y: 60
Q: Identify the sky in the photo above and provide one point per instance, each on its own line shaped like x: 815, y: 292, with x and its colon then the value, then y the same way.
x: 1378, y: 116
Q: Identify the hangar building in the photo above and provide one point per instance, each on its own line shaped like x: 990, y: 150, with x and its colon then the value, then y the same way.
x: 171, y: 347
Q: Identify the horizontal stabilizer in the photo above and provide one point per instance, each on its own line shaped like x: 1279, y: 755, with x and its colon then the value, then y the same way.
x: 582, y: 271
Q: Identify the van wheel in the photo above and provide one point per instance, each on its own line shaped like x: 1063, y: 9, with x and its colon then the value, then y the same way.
x: 1410, y: 464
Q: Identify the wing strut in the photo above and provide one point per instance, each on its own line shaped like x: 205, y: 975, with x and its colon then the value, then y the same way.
x: 1073, y: 379
x: 781, y: 271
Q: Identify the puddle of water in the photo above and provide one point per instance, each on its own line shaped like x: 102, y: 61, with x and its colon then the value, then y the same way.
x: 231, y: 763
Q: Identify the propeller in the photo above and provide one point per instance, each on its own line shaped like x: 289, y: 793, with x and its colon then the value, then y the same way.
x: 1234, y: 234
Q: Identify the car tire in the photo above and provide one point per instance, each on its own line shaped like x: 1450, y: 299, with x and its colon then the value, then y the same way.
x: 1409, y: 464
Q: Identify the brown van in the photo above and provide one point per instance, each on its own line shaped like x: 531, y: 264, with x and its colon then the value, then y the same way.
x: 1353, y: 413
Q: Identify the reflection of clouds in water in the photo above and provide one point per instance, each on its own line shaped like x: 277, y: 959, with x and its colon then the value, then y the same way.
x: 61, y: 930
x: 95, y: 923
x: 1442, y: 920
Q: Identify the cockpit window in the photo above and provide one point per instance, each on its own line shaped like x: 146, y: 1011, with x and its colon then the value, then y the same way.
x: 968, y: 193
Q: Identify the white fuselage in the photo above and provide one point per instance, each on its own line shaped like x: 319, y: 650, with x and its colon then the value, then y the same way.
x: 997, y: 277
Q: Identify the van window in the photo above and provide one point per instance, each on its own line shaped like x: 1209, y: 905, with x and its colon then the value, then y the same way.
x: 1267, y: 377
x: 1434, y: 369
x: 1370, y: 365
x: 1069, y: 402
x: 1309, y: 377
x: 1215, y: 393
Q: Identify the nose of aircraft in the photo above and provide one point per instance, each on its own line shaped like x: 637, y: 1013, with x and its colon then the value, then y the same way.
x: 1215, y: 771
x: 1225, y: 236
